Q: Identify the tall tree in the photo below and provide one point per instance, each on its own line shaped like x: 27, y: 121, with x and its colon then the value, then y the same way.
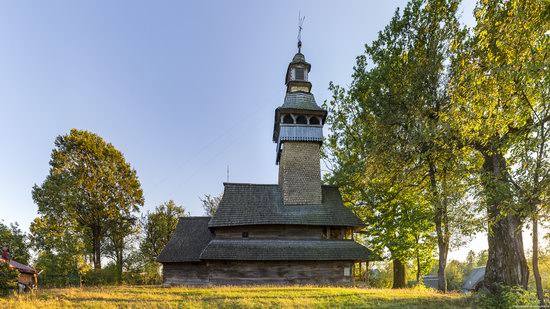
x: 530, y: 176
x: 391, y: 117
x: 90, y: 185
x: 158, y: 227
x: 495, y: 87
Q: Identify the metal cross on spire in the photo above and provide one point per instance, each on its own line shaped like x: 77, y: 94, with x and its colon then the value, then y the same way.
x: 300, y: 27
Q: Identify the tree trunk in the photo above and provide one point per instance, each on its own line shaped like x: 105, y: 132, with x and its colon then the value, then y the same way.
x: 398, y: 275
x: 442, y: 238
x: 507, y: 263
x: 536, y: 272
x: 96, y: 239
x: 417, y: 269
x: 119, y: 262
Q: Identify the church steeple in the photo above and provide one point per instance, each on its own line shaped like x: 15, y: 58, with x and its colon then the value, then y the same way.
x: 298, y: 132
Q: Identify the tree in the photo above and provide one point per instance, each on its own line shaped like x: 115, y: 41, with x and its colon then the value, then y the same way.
x: 390, y: 119
x: 117, y: 245
x: 17, y: 242
x: 8, y: 276
x: 90, y: 186
x: 158, y: 227
x: 530, y: 175
x: 210, y: 203
x: 496, y: 88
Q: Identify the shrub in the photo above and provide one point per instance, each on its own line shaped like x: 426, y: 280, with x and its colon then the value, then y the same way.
x: 505, y: 297
x: 8, y: 277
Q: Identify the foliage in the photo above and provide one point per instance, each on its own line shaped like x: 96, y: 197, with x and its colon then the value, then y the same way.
x: 506, y: 297
x: 60, y: 252
x: 16, y: 241
x: 210, y: 203
x: 89, y: 188
x: 158, y: 227
x: 8, y: 277
x: 500, y: 83
x: 390, y: 150
x: 236, y: 297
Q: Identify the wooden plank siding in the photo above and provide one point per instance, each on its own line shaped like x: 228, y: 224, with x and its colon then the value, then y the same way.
x: 189, y: 273
x: 258, y: 272
x: 291, y: 232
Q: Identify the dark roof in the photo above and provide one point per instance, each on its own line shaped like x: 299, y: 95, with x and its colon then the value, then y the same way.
x: 252, y: 204
x: 187, y: 242
x: 286, y: 250
x: 300, y: 100
x: 21, y: 267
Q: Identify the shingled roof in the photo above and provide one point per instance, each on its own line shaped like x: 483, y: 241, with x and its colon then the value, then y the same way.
x: 286, y: 250
x: 251, y: 204
x: 188, y: 241
x: 300, y: 100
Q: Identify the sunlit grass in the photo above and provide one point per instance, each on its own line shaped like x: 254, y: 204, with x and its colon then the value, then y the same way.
x: 235, y: 297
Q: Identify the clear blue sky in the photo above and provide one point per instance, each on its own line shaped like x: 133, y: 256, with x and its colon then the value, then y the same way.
x: 183, y: 89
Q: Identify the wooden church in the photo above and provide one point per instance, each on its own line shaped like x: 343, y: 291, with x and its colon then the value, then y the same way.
x: 295, y: 232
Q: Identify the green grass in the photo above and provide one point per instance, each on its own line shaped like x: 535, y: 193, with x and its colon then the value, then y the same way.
x: 235, y: 297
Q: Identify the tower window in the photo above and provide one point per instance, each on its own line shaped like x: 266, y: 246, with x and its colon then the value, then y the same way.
x: 299, y: 74
x: 301, y: 120
x: 314, y: 120
x: 288, y: 119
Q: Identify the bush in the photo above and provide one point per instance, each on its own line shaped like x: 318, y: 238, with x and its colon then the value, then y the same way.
x: 506, y: 297
x: 104, y: 276
x: 8, y: 277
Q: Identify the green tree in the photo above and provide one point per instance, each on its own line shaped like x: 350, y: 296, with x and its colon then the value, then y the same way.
x: 158, y: 227
x: 8, y: 277
x: 388, y: 136
x: 496, y: 87
x: 118, y: 244
x: 90, y: 186
x: 16, y: 241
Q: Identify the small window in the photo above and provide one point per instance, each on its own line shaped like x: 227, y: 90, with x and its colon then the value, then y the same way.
x: 314, y: 120
x: 325, y: 233
x: 245, y: 234
x: 347, y: 271
x: 288, y: 119
x: 299, y: 74
x: 301, y: 120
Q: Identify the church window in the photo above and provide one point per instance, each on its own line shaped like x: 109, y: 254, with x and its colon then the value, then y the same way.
x: 301, y: 120
x: 314, y: 120
x: 288, y: 119
x: 299, y: 74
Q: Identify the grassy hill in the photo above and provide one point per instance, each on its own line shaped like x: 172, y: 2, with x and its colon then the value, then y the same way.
x: 235, y: 297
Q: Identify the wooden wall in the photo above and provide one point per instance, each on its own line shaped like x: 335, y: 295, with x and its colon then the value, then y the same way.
x: 191, y: 273
x: 271, y: 232
x: 283, y: 232
x: 258, y: 272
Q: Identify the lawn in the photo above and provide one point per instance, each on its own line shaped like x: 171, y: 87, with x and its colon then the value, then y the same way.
x: 235, y: 297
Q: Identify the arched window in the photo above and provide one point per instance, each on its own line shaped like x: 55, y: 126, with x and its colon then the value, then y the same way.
x: 314, y: 120
x: 288, y: 119
x: 301, y: 120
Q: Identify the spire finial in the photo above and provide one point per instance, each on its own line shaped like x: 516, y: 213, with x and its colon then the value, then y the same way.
x: 300, y: 27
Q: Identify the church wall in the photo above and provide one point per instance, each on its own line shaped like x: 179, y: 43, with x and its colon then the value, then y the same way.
x: 271, y: 232
x: 189, y: 273
x: 279, y: 272
x: 258, y: 272
x: 300, y: 173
